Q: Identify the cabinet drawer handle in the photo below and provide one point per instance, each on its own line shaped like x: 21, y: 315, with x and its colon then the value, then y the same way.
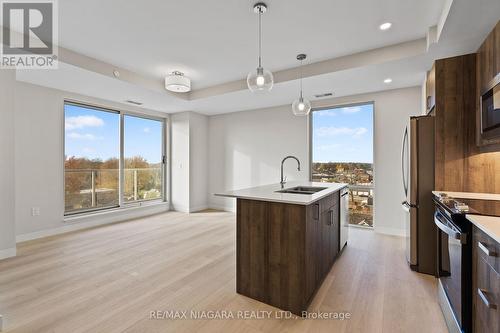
x: 485, y: 300
x: 484, y: 248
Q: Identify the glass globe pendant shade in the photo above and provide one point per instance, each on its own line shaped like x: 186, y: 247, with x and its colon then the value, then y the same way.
x: 301, y: 107
x: 260, y: 80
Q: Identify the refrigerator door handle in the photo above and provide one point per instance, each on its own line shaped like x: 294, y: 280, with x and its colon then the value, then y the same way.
x: 403, y: 150
x: 407, y: 206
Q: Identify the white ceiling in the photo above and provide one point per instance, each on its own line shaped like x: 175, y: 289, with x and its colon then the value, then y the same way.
x: 215, y: 41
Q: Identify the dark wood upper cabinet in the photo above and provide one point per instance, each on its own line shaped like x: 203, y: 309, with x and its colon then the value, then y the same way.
x: 463, y: 162
x: 489, y: 60
x: 455, y: 114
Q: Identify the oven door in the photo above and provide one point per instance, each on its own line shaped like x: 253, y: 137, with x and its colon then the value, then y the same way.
x: 450, y: 242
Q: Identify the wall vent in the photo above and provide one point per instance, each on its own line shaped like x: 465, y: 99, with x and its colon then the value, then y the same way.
x: 134, y: 102
x: 324, y: 95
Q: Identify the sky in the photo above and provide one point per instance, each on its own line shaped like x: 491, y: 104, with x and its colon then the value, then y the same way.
x: 343, y: 134
x: 95, y: 135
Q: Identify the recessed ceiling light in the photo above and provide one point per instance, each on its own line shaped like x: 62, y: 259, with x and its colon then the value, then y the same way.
x: 385, y: 26
x: 388, y: 80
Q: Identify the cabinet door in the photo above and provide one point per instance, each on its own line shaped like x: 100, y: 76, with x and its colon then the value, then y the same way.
x: 487, y: 298
x: 313, y: 240
x: 335, y: 232
x: 487, y: 62
x: 326, y: 256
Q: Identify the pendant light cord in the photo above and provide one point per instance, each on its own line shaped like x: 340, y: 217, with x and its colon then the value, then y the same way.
x: 301, y: 79
x: 260, y: 37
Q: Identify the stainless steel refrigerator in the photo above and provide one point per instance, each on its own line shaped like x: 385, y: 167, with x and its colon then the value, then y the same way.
x: 417, y: 164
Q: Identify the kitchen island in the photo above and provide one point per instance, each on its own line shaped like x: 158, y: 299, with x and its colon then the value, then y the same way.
x: 288, y: 238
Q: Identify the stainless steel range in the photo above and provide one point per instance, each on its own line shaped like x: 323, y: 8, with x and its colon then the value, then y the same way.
x: 454, y: 247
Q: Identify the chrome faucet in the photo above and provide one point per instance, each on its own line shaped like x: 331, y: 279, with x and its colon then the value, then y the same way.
x: 283, y: 180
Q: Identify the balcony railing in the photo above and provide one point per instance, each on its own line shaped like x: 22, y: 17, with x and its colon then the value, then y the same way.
x: 89, y: 189
x: 360, y: 200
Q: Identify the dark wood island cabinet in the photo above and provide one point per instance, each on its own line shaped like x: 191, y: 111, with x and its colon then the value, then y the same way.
x: 285, y: 250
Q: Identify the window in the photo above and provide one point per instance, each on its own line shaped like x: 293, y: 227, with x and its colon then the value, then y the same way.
x: 342, y: 151
x: 92, y: 165
x: 143, y: 159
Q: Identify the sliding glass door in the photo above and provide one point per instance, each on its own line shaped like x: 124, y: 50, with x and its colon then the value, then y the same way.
x: 111, y: 159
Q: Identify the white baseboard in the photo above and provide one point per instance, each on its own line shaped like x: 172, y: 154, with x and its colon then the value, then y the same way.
x: 180, y: 208
x: 390, y: 231
x: 8, y: 253
x: 94, y: 220
x: 198, y: 208
x: 226, y: 208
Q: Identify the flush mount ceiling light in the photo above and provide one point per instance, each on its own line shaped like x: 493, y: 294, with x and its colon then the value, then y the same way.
x: 301, y: 106
x: 177, y: 82
x: 261, y: 79
x: 388, y: 80
x: 385, y: 26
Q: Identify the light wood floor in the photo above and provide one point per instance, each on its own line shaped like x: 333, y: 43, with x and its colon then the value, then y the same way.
x: 108, y: 279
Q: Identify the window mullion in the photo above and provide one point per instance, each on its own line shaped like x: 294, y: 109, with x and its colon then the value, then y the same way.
x: 122, y: 161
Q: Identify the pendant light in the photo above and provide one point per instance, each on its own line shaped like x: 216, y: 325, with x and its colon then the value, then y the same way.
x: 261, y: 79
x: 301, y: 106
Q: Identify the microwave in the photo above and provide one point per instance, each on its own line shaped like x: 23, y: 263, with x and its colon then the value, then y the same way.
x: 490, y: 115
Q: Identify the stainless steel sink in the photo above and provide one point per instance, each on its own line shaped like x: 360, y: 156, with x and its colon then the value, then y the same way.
x: 302, y: 190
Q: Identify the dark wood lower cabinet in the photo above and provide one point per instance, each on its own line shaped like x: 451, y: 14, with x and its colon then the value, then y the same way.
x: 284, y: 251
x: 485, y: 283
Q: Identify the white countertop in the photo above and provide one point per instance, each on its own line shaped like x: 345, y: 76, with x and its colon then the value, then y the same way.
x: 469, y: 195
x: 490, y: 225
x: 268, y: 192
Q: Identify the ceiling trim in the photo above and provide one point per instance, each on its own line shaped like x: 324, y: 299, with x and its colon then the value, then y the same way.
x: 361, y: 59
x: 103, y: 68
x: 366, y: 58
x: 100, y: 67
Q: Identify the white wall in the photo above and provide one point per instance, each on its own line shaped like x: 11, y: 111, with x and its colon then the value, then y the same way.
x: 198, y: 152
x: 39, y: 157
x: 180, y: 161
x: 7, y: 197
x: 423, y: 94
x: 246, y: 149
x: 189, y: 161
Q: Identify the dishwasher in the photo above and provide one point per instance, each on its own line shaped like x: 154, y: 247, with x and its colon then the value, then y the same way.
x: 344, y: 216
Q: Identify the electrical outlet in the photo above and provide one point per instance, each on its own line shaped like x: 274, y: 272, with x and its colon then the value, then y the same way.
x: 35, y: 211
